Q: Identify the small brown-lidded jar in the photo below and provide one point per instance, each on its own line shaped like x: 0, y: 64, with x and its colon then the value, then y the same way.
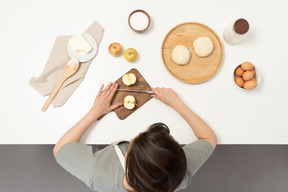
x: 139, y: 20
x: 236, y: 31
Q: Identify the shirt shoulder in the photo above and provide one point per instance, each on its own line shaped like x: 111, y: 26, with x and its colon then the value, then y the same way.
x: 100, y: 171
x: 196, y: 154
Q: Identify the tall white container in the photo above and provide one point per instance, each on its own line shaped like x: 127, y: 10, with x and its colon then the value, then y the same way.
x: 236, y: 31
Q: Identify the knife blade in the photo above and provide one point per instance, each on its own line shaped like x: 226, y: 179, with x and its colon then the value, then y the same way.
x: 127, y: 90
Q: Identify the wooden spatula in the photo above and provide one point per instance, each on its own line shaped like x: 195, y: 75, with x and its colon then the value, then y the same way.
x: 69, y: 69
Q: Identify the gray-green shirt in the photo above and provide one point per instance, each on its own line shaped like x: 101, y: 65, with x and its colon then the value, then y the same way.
x: 103, y: 172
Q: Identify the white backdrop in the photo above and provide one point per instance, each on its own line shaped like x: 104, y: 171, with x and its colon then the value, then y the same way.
x: 28, y: 31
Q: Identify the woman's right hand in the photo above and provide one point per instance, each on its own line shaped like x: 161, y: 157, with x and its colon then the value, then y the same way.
x: 167, y: 96
x: 199, y: 127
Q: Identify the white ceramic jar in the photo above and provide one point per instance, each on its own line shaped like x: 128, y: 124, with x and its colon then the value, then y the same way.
x: 236, y: 31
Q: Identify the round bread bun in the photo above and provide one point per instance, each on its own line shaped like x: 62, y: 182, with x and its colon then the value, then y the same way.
x: 181, y: 55
x: 203, y: 46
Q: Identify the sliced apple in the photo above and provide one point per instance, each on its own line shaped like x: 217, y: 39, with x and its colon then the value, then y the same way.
x: 129, y: 102
x: 129, y: 79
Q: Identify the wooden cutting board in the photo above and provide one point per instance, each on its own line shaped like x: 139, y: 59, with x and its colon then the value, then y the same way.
x: 141, y: 98
x: 198, y: 69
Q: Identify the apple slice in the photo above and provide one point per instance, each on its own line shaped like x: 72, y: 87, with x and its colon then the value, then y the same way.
x: 129, y: 79
x: 129, y: 102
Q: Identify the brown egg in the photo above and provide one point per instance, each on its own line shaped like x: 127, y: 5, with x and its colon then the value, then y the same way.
x: 247, y: 66
x: 239, y: 71
x: 239, y: 81
x: 251, y: 84
x: 253, y: 71
x: 248, y: 75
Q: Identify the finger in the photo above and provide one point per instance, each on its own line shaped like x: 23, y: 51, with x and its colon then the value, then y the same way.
x: 101, y: 89
x: 106, y: 89
x: 113, y: 91
x: 154, y: 89
x: 112, y: 107
x: 111, y: 88
x: 155, y: 96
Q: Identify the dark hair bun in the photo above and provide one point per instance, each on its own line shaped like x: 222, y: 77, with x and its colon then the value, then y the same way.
x: 158, y: 128
x: 155, y: 162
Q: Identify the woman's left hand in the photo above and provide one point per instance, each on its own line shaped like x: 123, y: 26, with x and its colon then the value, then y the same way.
x: 102, y: 103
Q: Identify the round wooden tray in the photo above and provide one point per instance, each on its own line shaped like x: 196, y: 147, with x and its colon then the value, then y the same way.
x: 199, y: 69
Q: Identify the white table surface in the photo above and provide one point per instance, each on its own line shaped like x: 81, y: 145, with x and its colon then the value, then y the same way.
x: 28, y: 31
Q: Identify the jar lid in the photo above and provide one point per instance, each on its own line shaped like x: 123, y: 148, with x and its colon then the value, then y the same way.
x: 241, y: 26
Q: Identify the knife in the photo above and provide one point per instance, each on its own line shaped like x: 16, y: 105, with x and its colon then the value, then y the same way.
x: 149, y: 92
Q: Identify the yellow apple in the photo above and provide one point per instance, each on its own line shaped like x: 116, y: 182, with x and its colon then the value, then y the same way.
x: 130, y: 54
x: 129, y: 79
x: 129, y: 102
x: 115, y: 49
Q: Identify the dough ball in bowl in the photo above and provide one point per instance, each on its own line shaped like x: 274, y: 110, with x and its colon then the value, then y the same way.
x: 181, y: 55
x: 203, y: 46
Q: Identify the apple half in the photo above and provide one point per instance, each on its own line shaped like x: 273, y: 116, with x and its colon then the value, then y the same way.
x: 129, y: 79
x: 129, y: 102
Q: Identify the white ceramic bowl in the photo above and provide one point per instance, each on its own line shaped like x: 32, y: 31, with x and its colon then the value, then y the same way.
x: 257, y: 77
x: 148, y: 19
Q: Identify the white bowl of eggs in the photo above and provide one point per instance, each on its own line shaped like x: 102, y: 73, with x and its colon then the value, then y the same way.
x: 246, y: 76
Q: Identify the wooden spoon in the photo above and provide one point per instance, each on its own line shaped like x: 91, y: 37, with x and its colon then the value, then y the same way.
x: 69, y: 69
